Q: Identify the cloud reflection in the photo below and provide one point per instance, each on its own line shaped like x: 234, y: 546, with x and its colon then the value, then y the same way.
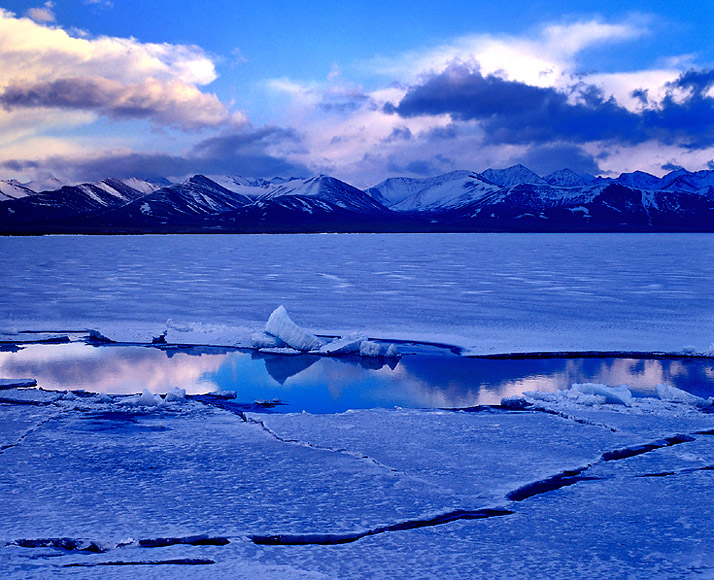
x: 112, y: 370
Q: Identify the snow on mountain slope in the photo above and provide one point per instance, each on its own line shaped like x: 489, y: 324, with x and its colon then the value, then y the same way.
x: 13, y: 189
x: 198, y: 196
x: 515, y: 175
x: 447, y: 191
x: 250, y: 186
x: 140, y: 185
x: 327, y: 189
x: 565, y: 178
x: 683, y: 180
x: 639, y: 180
x: 49, y: 183
x: 396, y: 189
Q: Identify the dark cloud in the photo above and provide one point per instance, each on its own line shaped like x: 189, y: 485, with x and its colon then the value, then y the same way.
x: 671, y: 166
x: 242, y: 153
x: 512, y: 112
x: 399, y: 134
x: 163, y: 102
x: 545, y: 159
x: 343, y: 101
x: 416, y: 167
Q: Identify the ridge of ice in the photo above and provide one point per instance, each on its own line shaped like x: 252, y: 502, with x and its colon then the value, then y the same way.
x: 672, y: 394
x: 280, y: 325
x: 349, y: 344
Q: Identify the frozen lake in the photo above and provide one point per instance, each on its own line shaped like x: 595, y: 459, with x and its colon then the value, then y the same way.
x: 588, y: 481
x: 490, y: 293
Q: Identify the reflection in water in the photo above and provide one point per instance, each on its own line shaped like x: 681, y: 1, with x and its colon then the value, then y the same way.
x: 322, y: 385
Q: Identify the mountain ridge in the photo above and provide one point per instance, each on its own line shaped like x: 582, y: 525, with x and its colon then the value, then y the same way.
x: 510, y: 199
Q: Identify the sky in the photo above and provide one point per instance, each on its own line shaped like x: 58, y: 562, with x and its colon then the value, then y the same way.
x: 361, y: 90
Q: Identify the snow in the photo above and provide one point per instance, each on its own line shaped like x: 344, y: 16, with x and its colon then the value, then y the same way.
x: 592, y: 481
x: 446, y: 191
x: 140, y: 185
x: 485, y: 293
x: 670, y: 393
x: 373, y: 350
x: 13, y: 190
x: 92, y: 481
x: 515, y: 175
x: 592, y: 393
x: 281, y: 326
x: 349, y: 344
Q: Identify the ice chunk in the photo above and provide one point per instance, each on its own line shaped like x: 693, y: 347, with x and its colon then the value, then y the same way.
x: 280, y: 325
x: 349, y: 344
x: 175, y: 394
x: 515, y: 402
x: 265, y: 340
x: 285, y: 350
x: 370, y: 349
x: 149, y: 399
x: 223, y: 394
x: 675, y: 395
x: 17, y: 383
x: 392, y: 351
x: 374, y: 349
x: 618, y: 395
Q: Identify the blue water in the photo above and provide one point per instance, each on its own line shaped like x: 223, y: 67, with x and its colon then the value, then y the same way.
x: 427, y: 378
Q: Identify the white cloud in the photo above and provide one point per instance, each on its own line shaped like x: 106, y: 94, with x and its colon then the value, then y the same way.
x: 48, y: 75
x: 546, y: 59
x: 42, y: 14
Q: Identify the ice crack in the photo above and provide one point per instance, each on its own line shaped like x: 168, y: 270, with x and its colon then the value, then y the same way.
x: 340, y: 451
x: 27, y: 433
x: 97, y: 547
x: 335, y: 539
x: 626, y: 452
x: 175, y: 561
x: 573, y: 476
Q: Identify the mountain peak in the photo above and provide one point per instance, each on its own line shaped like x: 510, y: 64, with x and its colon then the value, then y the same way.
x: 565, y: 178
x: 515, y: 175
x: 639, y: 180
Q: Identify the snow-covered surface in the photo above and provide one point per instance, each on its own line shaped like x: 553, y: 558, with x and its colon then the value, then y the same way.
x: 447, y: 191
x: 12, y: 189
x: 117, y: 487
x: 487, y: 293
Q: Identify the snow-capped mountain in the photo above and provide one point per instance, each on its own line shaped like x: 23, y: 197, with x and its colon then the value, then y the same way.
x: 443, y: 192
x: 327, y: 190
x: 13, y: 189
x: 512, y: 199
x: 193, y: 202
x: 515, y: 175
x: 566, y: 178
x: 47, y: 209
x: 639, y: 180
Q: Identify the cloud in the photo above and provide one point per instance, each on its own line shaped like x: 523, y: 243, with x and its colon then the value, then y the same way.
x: 545, y: 58
x: 171, y: 103
x: 46, y: 68
x: 513, y: 112
x: 244, y: 152
x: 546, y: 159
x: 43, y: 14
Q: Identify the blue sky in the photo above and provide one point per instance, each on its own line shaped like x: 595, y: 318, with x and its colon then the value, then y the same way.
x: 362, y: 90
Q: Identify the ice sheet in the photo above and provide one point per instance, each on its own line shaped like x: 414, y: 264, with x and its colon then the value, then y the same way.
x: 119, y: 490
x: 489, y: 293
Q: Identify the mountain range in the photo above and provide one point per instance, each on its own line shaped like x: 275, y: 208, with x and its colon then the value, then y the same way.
x: 511, y: 199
